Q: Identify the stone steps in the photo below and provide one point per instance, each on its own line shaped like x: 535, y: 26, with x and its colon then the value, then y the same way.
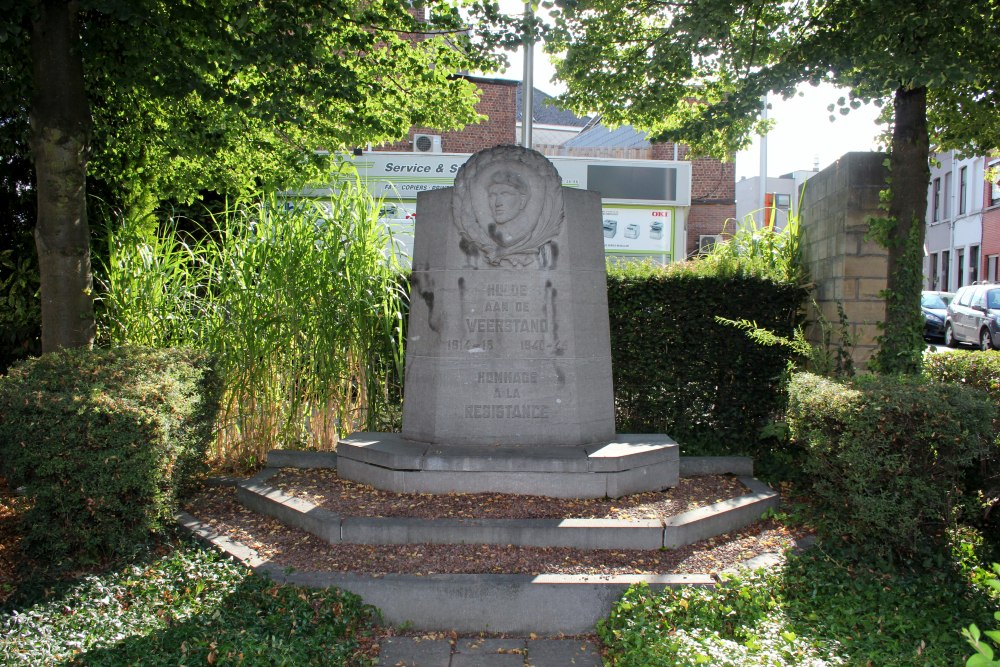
x: 543, y: 604
x: 509, y: 603
x: 669, y: 533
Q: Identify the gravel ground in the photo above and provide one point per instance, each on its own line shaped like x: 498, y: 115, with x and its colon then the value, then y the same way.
x: 346, y: 498
x: 289, y: 547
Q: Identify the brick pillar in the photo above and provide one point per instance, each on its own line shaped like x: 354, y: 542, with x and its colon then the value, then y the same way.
x: 844, y: 267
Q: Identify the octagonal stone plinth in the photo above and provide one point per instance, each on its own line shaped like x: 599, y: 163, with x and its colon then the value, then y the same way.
x: 617, y: 467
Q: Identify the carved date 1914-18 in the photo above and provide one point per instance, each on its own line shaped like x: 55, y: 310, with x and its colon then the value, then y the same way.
x: 469, y: 345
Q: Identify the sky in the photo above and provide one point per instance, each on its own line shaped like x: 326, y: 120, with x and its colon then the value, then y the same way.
x: 803, y: 135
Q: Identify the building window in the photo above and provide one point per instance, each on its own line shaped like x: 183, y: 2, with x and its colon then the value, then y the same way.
x: 946, y: 270
x: 963, y: 189
x: 973, y: 263
x: 936, y: 211
x: 994, y: 166
x: 782, y: 201
x: 947, y: 196
x: 992, y: 263
x: 932, y: 273
x: 960, y: 267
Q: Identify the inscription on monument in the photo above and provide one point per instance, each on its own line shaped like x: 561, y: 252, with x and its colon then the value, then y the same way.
x: 512, y: 324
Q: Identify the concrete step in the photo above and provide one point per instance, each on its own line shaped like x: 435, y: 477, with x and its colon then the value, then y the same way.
x: 669, y: 532
x: 489, y: 652
x: 546, y: 604
x: 509, y: 603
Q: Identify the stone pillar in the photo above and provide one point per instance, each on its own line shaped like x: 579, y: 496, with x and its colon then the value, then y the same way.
x: 845, y: 267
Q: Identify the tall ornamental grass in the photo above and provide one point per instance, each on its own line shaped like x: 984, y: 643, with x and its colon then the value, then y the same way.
x: 298, y: 300
x: 762, y: 252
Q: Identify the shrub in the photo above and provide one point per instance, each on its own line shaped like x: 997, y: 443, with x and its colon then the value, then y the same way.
x: 816, y: 611
x: 680, y: 371
x: 103, y: 441
x: 20, y: 309
x: 985, y: 655
x: 763, y: 251
x: 886, y: 457
x: 980, y: 371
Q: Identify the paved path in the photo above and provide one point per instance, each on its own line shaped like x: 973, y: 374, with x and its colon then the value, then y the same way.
x: 479, y: 652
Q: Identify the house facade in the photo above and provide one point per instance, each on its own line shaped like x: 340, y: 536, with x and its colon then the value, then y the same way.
x: 991, y: 220
x: 957, y: 250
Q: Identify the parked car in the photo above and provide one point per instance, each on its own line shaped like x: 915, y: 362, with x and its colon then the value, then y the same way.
x: 973, y: 316
x: 935, y: 308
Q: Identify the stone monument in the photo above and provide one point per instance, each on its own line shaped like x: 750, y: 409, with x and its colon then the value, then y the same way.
x: 508, y: 361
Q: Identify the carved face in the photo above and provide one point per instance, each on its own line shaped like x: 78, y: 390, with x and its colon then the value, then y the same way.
x: 506, y: 203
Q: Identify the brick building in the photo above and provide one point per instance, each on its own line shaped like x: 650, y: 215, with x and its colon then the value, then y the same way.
x: 713, y: 183
x: 498, y: 102
x: 713, y: 193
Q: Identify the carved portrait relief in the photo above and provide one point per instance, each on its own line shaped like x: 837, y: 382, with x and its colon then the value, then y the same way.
x: 508, y: 206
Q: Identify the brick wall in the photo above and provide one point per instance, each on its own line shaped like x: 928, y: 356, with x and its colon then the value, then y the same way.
x: 846, y: 268
x: 713, y: 192
x: 497, y: 102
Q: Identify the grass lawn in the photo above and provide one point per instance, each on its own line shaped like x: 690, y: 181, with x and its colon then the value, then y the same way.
x: 181, y: 604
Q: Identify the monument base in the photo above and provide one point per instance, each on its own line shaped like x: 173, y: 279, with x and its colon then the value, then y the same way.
x: 627, y: 464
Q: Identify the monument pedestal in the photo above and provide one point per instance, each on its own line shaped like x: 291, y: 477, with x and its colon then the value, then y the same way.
x: 626, y: 464
x: 508, y: 382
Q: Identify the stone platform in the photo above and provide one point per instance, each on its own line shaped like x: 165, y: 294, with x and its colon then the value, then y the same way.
x: 627, y: 464
x: 509, y: 603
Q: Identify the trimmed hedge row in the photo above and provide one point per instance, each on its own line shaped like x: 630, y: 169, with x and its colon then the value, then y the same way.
x: 980, y: 371
x: 887, y: 456
x: 678, y: 371
x: 103, y: 442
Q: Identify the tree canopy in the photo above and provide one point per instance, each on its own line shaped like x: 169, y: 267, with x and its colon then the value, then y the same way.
x: 162, y: 99
x: 695, y: 71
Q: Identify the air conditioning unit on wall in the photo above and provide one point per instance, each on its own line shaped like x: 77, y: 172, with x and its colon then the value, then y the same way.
x: 426, y: 143
x: 707, y: 241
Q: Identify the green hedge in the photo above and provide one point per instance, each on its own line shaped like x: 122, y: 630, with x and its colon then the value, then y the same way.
x: 103, y: 441
x: 981, y: 371
x: 678, y: 371
x: 886, y: 457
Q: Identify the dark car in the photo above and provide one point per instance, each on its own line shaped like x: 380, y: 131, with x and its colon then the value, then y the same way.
x: 973, y: 316
x: 935, y: 308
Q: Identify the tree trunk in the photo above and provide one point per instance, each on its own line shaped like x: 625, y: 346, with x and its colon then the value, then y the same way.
x: 902, y: 344
x: 60, y: 139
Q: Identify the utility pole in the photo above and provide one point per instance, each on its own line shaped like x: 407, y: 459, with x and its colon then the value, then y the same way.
x: 528, y: 83
x: 762, y: 194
